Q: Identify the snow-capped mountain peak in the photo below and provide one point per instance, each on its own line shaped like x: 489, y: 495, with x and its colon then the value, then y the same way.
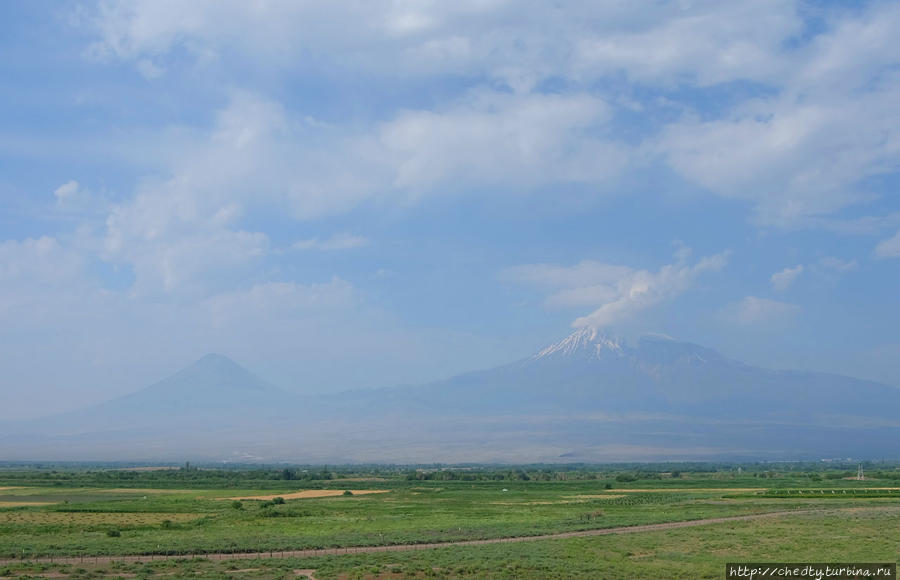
x: 584, y: 342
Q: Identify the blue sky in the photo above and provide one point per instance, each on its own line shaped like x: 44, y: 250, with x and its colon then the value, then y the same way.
x: 360, y: 194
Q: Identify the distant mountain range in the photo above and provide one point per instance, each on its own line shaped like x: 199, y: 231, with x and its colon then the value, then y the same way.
x: 589, y: 397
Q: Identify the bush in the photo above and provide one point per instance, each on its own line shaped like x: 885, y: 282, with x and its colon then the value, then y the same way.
x: 348, y: 492
x: 113, y: 533
x: 278, y: 500
x: 236, y: 504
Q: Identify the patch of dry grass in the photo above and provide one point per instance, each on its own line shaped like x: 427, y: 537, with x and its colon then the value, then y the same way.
x: 94, y: 518
x: 12, y: 504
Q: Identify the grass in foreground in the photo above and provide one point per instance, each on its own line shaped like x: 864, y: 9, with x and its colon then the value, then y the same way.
x: 199, y: 521
x: 699, y: 552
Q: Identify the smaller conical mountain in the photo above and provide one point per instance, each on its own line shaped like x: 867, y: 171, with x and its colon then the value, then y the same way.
x: 213, y: 390
x: 214, y: 408
x: 213, y: 379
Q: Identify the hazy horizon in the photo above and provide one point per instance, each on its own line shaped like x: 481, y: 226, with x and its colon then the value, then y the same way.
x: 343, y: 196
x: 622, y: 339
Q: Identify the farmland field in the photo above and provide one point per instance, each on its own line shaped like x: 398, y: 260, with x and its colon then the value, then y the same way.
x: 91, y: 514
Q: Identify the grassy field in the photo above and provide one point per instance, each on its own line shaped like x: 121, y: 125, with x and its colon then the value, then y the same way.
x: 859, y: 521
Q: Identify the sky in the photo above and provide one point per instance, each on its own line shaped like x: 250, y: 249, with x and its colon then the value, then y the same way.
x: 351, y: 194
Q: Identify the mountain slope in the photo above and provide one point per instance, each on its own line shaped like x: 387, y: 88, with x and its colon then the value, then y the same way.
x: 588, y: 397
x: 588, y: 371
x: 593, y: 397
x: 212, y: 392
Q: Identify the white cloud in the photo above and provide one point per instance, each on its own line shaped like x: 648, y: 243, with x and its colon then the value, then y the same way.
x: 760, y: 311
x: 643, y: 289
x: 889, y: 248
x: 798, y: 148
x: 828, y: 266
x: 258, y: 156
x: 784, y: 279
x: 793, y: 161
x: 187, y: 264
x: 66, y: 190
x: 492, y: 37
x: 701, y: 42
x: 76, y: 203
x: 280, y: 33
x: 336, y: 242
x: 616, y: 292
x: 502, y: 139
x: 182, y: 233
x: 805, y: 151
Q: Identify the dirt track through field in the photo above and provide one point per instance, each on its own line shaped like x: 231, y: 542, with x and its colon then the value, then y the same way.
x: 308, y: 494
x: 408, y: 547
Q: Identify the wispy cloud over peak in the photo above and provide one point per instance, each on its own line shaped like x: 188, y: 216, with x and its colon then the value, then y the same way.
x: 616, y: 292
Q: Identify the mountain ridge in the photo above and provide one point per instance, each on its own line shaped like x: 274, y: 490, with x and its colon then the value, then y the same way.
x: 589, y: 393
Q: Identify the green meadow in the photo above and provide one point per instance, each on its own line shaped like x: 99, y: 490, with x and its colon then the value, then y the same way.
x: 179, y: 513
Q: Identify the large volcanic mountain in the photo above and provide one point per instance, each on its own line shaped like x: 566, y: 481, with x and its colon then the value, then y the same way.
x: 589, y: 397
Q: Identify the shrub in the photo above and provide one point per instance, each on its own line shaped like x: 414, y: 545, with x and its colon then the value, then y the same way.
x: 278, y: 500
x: 348, y: 492
x: 113, y: 533
x: 236, y: 504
